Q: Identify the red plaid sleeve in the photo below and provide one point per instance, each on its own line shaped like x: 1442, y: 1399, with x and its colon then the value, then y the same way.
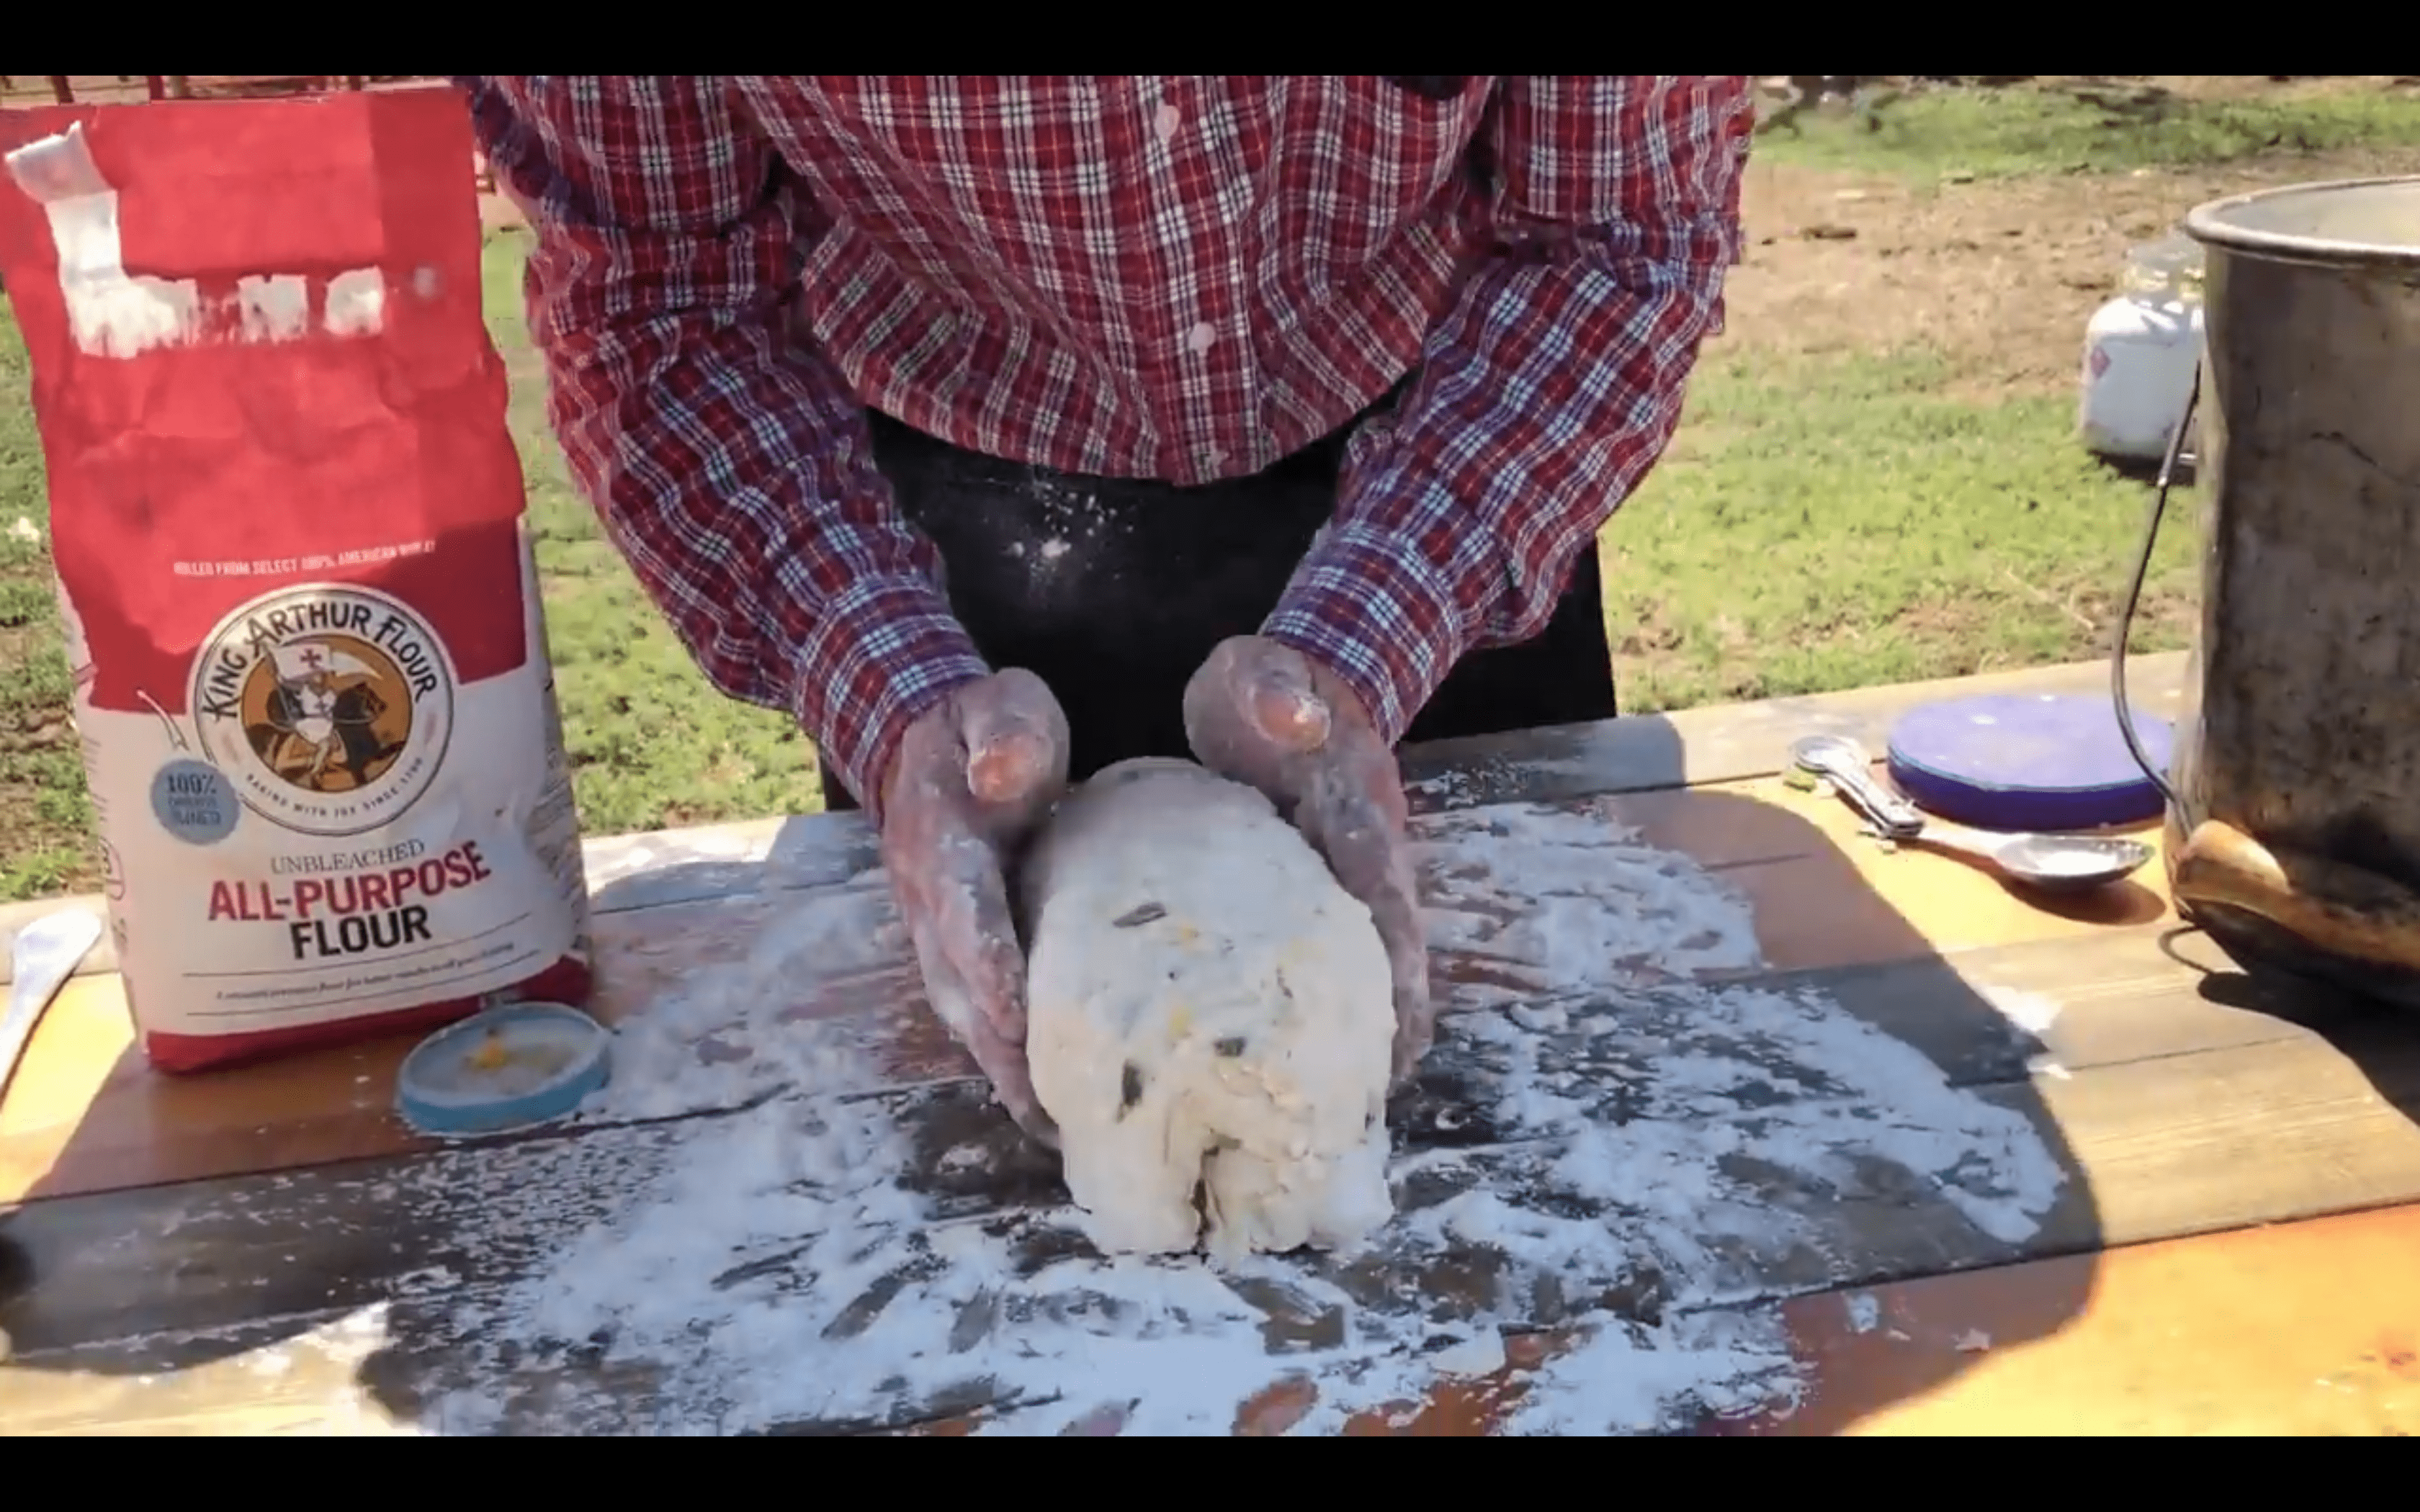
x: 1548, y: 390
x: 728, y: 458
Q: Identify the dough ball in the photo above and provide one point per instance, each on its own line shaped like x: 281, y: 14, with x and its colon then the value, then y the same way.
x: 1208, y: 1012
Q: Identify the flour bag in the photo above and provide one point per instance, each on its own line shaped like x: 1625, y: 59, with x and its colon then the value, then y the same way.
x: 311, y: 675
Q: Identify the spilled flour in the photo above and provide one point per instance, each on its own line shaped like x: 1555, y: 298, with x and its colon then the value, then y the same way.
x: 1545, y: 900
x: 1599, y: 1146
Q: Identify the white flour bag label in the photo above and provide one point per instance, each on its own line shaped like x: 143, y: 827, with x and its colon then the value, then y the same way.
x: 311, y: 675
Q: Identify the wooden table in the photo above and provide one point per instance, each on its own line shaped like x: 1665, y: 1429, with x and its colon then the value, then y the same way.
x: 2232, y: 1247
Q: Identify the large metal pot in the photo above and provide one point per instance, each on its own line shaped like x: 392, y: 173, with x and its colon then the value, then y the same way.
x: 2294, y: 833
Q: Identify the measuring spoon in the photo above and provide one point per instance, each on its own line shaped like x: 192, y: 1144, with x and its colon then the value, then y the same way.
x: 2051, y: 863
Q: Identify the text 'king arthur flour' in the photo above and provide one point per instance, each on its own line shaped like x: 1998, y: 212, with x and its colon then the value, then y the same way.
x: 311, y: 672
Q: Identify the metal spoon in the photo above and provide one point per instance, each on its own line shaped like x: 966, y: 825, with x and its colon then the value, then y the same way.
x: 2051, y: 863
x: 41, y: 959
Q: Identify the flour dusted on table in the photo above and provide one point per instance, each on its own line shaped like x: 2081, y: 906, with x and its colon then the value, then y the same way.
x: 311, y: 679
x: 1206, y: 1008
x: 1621, y: 1149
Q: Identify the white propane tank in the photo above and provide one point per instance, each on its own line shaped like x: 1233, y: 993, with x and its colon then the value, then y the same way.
x: 2139, y: 352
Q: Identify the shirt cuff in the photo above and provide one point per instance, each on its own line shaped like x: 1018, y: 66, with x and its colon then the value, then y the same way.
x: 1378, y: 614
x: 884, y: 652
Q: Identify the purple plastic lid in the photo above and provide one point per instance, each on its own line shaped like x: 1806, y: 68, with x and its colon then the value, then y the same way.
x: 2042, y: 761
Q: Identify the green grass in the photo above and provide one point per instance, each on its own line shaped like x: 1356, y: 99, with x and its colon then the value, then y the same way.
x: 1821, y: 524
x: 651, y: 741
x: 1990, y: 134
x: 45, y: 819
x: 1818, y: 524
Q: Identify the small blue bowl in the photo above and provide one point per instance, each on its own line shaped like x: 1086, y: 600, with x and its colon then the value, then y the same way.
x: 2028, y: 762
x: 551, y: 1059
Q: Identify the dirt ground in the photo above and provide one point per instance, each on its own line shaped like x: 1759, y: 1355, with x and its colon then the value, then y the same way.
x: 1999, y: 276
x: 114, y: 89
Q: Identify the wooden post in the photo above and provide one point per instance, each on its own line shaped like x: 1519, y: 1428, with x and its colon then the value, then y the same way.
x: 155, y: 85
x: 59, y: 90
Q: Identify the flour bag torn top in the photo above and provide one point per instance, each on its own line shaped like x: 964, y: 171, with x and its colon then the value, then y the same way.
x: 286, y: 511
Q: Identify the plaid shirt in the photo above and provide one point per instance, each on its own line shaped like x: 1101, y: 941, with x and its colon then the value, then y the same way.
x: 1175, y: 276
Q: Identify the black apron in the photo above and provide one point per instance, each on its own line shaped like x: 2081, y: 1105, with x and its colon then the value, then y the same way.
x: 1114, y: 591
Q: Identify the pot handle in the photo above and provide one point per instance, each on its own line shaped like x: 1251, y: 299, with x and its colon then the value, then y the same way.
x: 2347, y: 911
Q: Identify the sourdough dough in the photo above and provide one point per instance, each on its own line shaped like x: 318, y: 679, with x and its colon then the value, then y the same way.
x: 1208, y: 1010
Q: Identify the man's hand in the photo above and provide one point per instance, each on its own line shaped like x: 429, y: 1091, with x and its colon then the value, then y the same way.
x: 972, y: 779
x: 1263, y: 714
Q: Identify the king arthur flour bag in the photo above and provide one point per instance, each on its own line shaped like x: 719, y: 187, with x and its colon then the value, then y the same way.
x: 311, y: 672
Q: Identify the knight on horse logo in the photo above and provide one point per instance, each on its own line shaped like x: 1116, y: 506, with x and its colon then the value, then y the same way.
x: 321, y: 721
x: 330, y: 707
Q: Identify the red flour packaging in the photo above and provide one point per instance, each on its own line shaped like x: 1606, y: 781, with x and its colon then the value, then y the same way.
x: 311, y: 672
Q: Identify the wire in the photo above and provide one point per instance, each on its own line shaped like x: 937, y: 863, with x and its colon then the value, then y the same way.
x: 2134, y: 596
